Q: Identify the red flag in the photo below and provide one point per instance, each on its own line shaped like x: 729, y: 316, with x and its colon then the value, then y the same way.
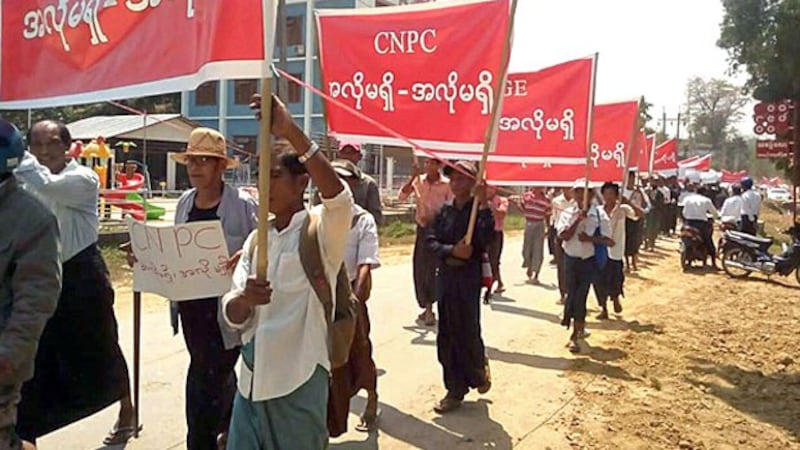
x: 612, y: 131
x: 733, y: 177
x: 428, y: 71
x: 665, y: 161
x: 646, y: 146
x: 79, y: 52
x: 699, y: 163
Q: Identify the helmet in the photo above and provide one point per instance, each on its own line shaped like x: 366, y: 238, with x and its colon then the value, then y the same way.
x: 12, y: 147
x: 747, y: 183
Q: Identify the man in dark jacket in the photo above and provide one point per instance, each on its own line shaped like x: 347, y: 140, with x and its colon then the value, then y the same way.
x: 458, y: 286
x: 30, y: 281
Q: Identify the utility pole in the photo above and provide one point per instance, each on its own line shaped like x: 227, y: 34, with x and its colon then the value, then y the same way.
x: 677, y: 121
x: 283, y: 83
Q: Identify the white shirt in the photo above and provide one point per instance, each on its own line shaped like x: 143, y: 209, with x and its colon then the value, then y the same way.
x: 72, y: 195
x: 732, y: 209
x: 596, y: 217
x: 362, y: 244
x: 751, y: 204
x: 291, y: 333
x: 698, y: 207
x: 637, y: 198
x: 559, y: 205
x: 617, y: 220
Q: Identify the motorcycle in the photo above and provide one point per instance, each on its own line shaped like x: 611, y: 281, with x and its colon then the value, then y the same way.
x: 743, y: 254
x: 692, y: 247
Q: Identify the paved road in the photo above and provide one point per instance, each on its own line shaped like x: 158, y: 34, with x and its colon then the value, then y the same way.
x: 523, y: 339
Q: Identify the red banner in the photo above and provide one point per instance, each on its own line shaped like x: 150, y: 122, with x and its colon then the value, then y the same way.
x: 612, y: 131
x: 57, y: 52
x: 665, y: 161
x: 699, y: 163
x: 429, y: 72
x: 733, y: 177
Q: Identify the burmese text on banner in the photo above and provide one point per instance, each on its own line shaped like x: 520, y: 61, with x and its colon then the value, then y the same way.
x: 59, y: 52
x: 427, y: 71
x: 614, y: 126
x: 180, y: 262
x: 545, y: 116
x: 665, y: 161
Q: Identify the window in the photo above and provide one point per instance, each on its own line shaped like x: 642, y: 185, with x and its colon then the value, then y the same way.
x: 295, y: 91
x: 294, y: 30
x: 206, y: 94
x: 243, y: 90
x: 246, y: 143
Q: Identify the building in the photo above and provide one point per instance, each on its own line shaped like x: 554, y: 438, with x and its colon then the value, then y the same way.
x: 224, y: 105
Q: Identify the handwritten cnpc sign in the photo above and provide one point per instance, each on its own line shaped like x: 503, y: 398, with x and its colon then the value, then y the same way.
x: 427, y: 71
x: 180, y: 262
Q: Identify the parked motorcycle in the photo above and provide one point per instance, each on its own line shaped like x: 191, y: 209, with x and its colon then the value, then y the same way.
x: 743, y: 254
x: 692, y: 247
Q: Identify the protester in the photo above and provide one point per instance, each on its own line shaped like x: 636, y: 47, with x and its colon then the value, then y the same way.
x: 80, y: 368
x: 360, y: 372
x: 284, y: 373
x: 213, y: 348
x: 675, y: 193
x: 499, y: 206
x: 731, y: 211
x: 655, y: 215
x: 366, y: 193
x: 537, y: 208
x: 30, y: 282
x: 634, y: 227
x: 431, y: 191
x: 665, y: 220
x: 696, y: 211
x: 459, y: 344
x: 561, y: 203
x: 751, y: 207
x: 610, y: 282
x: 578, y: 229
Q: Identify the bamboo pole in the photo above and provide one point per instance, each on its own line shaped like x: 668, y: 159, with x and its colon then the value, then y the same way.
x: 264, y: 169
x: 491, y: 132
x: 589, y: 129
x: 631, y: 144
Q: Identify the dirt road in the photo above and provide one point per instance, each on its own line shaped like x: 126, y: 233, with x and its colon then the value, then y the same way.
x: 696, y: 361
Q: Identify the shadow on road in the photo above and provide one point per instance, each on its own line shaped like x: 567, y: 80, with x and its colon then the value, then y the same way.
x: 469, y: 424
x: 592, y: 362
x: 552, y: 318
x: 423, y: 334
x: 771, y: 398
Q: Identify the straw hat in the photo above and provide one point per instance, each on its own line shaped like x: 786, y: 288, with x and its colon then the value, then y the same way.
x: 206, y: 142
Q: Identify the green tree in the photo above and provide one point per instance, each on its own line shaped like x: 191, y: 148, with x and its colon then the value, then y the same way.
x: 763, y: 37
x: 714, y: 106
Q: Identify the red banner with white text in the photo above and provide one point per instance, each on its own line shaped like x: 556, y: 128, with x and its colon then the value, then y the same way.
x: 612, y: 131
x: 698, y: 163
x: 545, y: 116
x: 59, y: 52
x: 429, y: 71
x: 665, y: 161
x: 647, y: 145
x: 733, y: 177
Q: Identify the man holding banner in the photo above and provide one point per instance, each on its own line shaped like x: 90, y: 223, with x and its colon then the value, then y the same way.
x: 285, y: 361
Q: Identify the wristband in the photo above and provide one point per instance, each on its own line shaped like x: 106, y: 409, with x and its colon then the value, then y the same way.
x: 313, y: 150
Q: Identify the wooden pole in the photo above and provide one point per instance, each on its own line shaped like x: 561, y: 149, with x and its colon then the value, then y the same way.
x: 137, y: 335
x: 631, y: 143
x: 264, y: 169
x: 589, y: 128
x: 491, y: 132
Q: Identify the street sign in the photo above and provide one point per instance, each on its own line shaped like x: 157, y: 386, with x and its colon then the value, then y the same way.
x: 772, y: 118
x: 773, y: 149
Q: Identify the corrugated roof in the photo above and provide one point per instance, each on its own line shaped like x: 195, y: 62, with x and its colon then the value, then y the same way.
x: 113, y: 126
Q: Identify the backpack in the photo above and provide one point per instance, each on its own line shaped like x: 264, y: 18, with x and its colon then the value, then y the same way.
x: 342, y: 328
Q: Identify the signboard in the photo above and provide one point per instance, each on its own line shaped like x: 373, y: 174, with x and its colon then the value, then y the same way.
x: 180, y: 262
x: 81, y: 51
x: 772, y: 118
x: 612, y: 132
x: 773, y: 149
x: 430, y: 71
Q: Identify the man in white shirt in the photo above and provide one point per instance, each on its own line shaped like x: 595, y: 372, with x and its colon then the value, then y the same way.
x: 731, y: 211
x: 698, y: 212
x: 577, y: 228
x: 609, y: 284
x: 80, y: 368
x: 360, y: 372
x: 285, y: 364
x: 634, y: 230
x: 561, y: 203
x: 751, y: 207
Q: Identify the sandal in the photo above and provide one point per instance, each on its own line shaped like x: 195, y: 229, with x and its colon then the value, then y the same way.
x: 500, y: 289
x: 617, y: 307
x: 573, y: 346
x: 446, y: 405
x: 120, y: 435
x: 369, y: 422
x: 487, y: 379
